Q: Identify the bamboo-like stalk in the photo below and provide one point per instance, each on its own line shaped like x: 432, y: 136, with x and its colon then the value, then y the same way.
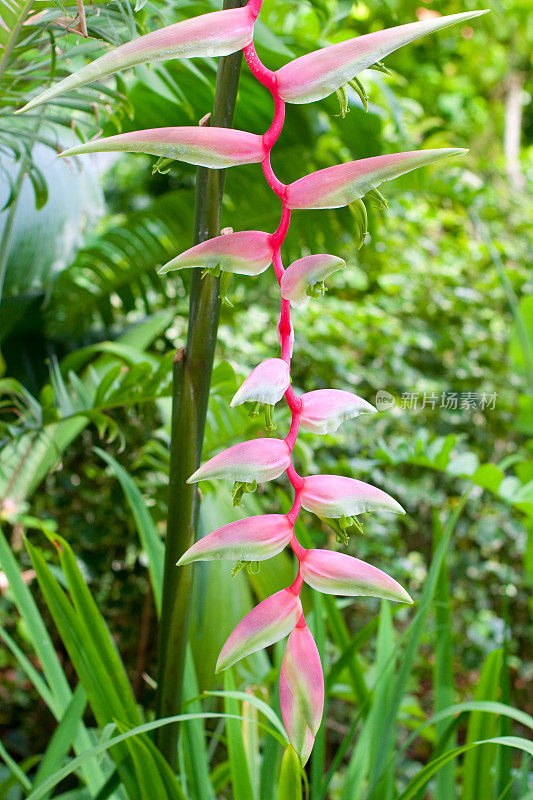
x: 191, y: 382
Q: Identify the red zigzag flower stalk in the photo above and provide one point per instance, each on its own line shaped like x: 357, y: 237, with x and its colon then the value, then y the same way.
x: 336, y: 498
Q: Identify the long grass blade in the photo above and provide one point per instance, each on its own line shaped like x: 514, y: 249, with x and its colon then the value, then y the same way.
x: 150, y: 539
x: 478, y: 777
x: 240, y: 773
x: 443, y: 675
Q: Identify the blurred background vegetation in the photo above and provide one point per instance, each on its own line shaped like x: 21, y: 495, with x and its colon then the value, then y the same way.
x: 437, y: 302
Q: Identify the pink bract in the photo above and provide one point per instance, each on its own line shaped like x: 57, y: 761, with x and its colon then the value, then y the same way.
x: 266, y: 383
x: 306, y: 272
x: 267, y: 623
x: 323, y: 410
x: 242, y: 252
x: 340, y: 185
x: 337, y: 573
x: 301, y: 690
x: 319, y: 74
x: 207, y: 147
x: 218, y: 33
x: 250, y: 539
x: 332, y: 496
x: 259, y: 459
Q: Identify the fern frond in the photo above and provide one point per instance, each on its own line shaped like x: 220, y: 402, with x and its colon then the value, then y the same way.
x: 116, y: 272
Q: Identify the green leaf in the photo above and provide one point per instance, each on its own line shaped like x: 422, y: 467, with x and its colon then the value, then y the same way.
x: 199, y: 783
x: 290, y: 779
x: 478, y: 778
x: 15, y: 770
x: 150, y: 539
x: 154, y: 775
x: 240, y: 773
x: 443, y: 672
x: 40, y: 791
x: 59, y: 694
x: 263, y: 707
x: 76, y: 634
x: 61, y: 742
x: 427, y: 772
x: 96, y: 632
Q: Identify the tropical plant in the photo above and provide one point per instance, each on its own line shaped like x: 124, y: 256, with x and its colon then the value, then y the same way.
x: 136, y: 766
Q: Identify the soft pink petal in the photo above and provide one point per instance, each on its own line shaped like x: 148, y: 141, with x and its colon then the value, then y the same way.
x: 338, y: 573
x: 215, y: 34
x: 266, y: 383
x: 258, y: 459
x: 267, y: 623
x: 323, y: 410
x: 301, y: 689
x: 207, y: 147
x: 307, y: 271
x: 243, y: 252
x: 251, y: 539
x: 340, y: 185
x: 319, y: 74
x: 331, y: 496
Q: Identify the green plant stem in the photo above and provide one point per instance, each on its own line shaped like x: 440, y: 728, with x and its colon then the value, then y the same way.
x: 191, y: 382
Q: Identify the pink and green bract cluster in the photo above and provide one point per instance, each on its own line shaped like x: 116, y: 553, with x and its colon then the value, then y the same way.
x: 333, y: 497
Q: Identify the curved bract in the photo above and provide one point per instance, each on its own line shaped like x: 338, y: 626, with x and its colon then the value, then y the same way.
x: 251, y: 539
x: 266, y: 624
x: 323, y: 410
x: 207, y: 147
x: 340, y: 185
x: 334, y: 495
x: 260, y: 460
x: 243, y: 252
x: 301, y: 690
x: 266, y: 383
x: 319, y: 74
x: 216, y: 34
x: 302, y: 275
x: 337, y: 573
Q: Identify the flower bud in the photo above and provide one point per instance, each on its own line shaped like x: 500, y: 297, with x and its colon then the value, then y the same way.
x: 301, y: 690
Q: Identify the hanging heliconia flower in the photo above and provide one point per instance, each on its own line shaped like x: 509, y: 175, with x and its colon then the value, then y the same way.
x: 334, y: 498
